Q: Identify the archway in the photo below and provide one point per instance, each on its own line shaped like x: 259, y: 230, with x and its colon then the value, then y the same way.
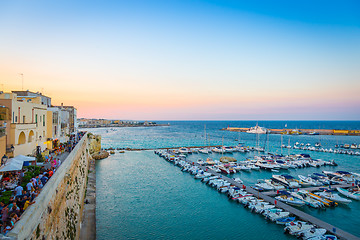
x: 22, y: 138
x: 31, y: 136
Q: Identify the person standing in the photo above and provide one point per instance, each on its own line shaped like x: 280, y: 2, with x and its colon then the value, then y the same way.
x: 19, y: 190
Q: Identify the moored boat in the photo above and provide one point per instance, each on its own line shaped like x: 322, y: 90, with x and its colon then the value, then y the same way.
x: 334, y: 197
x: 353, y: 195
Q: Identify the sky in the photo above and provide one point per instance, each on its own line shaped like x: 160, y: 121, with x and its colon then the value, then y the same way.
x: 186, y: 60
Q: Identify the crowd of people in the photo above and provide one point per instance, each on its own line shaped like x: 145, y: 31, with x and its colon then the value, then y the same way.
x: 23, y: 194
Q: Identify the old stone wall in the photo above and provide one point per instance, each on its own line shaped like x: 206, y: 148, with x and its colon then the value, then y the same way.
x: 57, y: 211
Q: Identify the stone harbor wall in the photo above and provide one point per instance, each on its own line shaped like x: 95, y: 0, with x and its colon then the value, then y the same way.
x: 58, y: 209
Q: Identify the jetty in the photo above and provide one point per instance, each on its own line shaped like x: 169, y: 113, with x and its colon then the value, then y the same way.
x: 288, y: 131
x: 296, y: 212
x: 311, y: 189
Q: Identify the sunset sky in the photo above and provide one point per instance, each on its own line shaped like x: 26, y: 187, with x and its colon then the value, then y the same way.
x: 187, y: 60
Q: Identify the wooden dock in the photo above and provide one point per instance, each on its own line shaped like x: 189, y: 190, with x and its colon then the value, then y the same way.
x: 341, y: 234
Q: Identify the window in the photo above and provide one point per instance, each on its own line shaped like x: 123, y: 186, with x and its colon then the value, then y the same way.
x: 15, y: 118
x: 36, y: 119
x: 23, y: 119
x: 44, y: 120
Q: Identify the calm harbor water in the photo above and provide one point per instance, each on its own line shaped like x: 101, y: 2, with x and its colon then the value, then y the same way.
x: 141, y: 196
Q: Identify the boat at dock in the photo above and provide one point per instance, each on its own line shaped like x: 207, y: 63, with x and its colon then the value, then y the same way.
x: 350, y: 194
x: 288, y: 199
x: 304, y: 196
x: 310, y: 180
x: 257, y: 130
x: 297, y: 227
x: 286, y: 180
x: 333, y: 197
x: 286, y: 220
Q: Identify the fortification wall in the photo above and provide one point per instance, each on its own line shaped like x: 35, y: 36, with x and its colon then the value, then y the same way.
x: 58, y: 209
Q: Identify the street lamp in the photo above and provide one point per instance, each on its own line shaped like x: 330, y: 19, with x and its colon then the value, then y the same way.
x: 4, y: 160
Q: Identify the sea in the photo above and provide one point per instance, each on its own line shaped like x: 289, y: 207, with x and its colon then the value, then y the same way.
x: 142, y: 196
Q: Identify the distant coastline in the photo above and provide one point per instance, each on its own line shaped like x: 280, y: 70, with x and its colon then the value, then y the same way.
x: 106, y: 123
x: 116, y: 125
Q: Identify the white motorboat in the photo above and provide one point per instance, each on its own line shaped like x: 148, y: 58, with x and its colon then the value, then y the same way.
x: 275, y: 215
x: 262, y: 184
x: 262, y: 206
x: 204, y: 150
x: 275, y: 185
x: 310, y: 180
x: 297, y: 227
x: 218, y: 150
x: 243, y: 168
x: 311, y: 233
x: 184, y: 150
x: 290, y: 200
x: 303, y: 196
x: 353, y: 195
x: 238, y: 180
x: 333, y: 197
x: 286, y: 180
x: 257, y: 130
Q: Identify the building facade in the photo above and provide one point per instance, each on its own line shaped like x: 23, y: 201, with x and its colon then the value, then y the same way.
x: 28, y: 125
x: 44, y: 99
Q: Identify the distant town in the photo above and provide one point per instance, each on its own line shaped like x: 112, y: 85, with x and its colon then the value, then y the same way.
x: 97, y: 123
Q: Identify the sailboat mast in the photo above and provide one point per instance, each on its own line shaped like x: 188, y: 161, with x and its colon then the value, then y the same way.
x: 222, y: 148
x: 289, y: 146
x: 205, y: 134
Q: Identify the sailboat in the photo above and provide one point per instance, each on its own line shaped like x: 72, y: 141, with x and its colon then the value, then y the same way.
x: 204, y: 150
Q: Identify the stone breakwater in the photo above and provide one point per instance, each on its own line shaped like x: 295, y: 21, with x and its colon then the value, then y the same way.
x: 100, y: 155
x: 57, y: 213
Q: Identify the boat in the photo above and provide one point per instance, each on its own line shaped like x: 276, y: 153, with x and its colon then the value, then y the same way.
x: 313, y: 232
x: 286, y: 180
x: 286, y: 220
x: 257, y: 130
x: 333, y: 197
x: 297, y: 227
x: 224, y: 170
x: 288, y: 199
x: 353, y: 195
x: 218, y: 150
x: 313, y: 133
x: 326, y: 202
x: 310, y: 180
x: 275, y: 185
x: 304, y: 196
x: 238, y: 180
x: 204, y: 150
x: 275, y: 215
x: 184, y: 150
x: 264, y: 185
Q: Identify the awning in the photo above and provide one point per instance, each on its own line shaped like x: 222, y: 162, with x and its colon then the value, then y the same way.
x: 12, y: 164
x: 24, y: 158
x: 16, y: 163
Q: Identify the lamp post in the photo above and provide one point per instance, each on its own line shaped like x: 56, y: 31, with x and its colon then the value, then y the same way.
x: 4, y: 160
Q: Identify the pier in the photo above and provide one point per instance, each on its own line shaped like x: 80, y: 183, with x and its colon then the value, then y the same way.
x: 296, y: 212
x: 311, y: 189
x: 288, y: 131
